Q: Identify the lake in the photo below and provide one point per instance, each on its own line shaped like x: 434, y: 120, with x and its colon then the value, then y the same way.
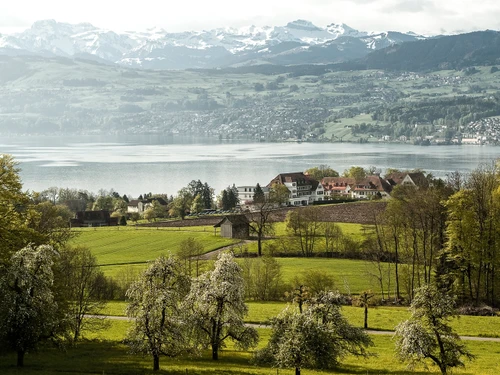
x: 136, y: 165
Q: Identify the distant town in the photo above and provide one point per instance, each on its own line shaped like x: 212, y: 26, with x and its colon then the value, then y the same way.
x: 315, y: 186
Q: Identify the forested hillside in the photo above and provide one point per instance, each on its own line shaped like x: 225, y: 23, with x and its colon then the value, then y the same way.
x: 448, y: 52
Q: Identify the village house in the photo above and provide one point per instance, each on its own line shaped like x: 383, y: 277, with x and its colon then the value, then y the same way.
x: 304, y: 190
x: 337, y: 187
x: 366, y: 188
x: 140, y: 206
x: 370, y: 187
x: 417, y: 179
x: 246, y: 193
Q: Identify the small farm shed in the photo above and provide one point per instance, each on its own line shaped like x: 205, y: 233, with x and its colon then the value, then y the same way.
x: 234, y: 226
x: 93, y: 219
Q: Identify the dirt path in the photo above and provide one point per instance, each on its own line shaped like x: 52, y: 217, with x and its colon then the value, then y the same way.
x: 369, y: 331
x: 213, y: 254
x: 470, y: 338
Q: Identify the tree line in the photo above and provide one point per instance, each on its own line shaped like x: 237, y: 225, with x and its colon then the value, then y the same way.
x: 46, y: 286
x: 196, y: 197
x: 447, y: 233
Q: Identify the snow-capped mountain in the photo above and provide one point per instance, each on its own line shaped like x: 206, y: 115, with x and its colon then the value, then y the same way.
x: 298, y: 42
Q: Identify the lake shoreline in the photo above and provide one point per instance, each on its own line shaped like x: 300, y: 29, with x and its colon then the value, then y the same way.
x: 139, y: 164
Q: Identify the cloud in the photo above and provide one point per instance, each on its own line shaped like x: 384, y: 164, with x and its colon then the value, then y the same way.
x: 411, y: 6
x: 421, y: 16
x: 329, y: 2
x: 10, y: 21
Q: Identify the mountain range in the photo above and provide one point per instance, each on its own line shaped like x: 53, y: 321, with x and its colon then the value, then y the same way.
x: 298, y: 42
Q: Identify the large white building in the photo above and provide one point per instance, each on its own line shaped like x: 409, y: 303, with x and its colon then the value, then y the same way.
x: 246, y: 193
x: 304, y: 190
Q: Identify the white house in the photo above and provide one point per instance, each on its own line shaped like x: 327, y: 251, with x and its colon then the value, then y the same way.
x: 304, y: 190
x: 246, y: 193
x: 140, y: 206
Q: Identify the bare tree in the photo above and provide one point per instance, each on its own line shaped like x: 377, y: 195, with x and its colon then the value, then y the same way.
x: 190, y: 251
x: 80, y: 277
x: 305, y: 224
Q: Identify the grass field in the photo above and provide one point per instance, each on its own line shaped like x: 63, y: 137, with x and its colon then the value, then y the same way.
x: 105, y: 354
x: 110, y: 356
x: 381, y: 318
x: 355, y: 231
x: 350, y: 276
x: 117, y: 246
x: 341, y: 130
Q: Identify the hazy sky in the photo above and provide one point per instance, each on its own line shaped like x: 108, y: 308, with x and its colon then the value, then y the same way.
x: 422, y: 16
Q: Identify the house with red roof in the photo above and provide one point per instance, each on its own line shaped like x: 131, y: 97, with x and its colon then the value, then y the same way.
x: 417, y: 179
x: 366, y: 188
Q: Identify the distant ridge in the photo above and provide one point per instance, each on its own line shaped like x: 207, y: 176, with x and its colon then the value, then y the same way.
x: 447, y: 52
x: 297, y: 42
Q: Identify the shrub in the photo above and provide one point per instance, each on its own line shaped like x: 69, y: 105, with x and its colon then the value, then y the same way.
x: 482, y: 310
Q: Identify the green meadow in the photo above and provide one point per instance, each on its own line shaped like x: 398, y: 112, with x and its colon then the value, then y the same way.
x: 116, y: 247
x: 105, y: 353
x: 119, y: 247
x: 381, y: 318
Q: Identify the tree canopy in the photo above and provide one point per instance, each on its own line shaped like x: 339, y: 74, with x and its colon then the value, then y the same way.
x: 28, y: 312
x: 13, y: 209
x: 318, y: 173
x: 155, y: 303
x: 317, y: 338
x: 427, y: 334
x: 217, y: 305
x: 358, y: 173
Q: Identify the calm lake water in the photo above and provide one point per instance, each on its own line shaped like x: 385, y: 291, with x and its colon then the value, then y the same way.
x: 136, y: 165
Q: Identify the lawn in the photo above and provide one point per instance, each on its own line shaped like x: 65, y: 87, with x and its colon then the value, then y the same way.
x: 104, y: 353
x: 383, y: 318
x: 118, y: 246
x: 355, y: 231
x: 350, y: 276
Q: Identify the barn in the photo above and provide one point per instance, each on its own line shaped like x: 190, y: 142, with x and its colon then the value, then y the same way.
x: 234, y: 226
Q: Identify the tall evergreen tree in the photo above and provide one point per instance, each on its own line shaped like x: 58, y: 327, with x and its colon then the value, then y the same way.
x: 258, y: 196
x: 225, y: 200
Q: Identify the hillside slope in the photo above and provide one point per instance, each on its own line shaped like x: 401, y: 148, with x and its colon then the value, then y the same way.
x: 448, y: 52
